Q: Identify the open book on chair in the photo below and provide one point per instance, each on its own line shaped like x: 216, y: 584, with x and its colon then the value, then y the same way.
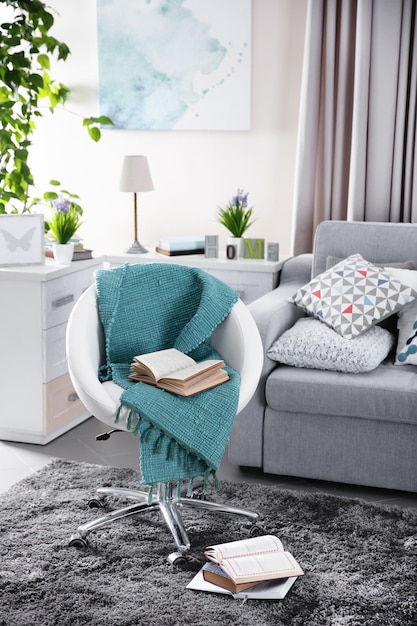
x: 257, y: 559
x: 176, y: 372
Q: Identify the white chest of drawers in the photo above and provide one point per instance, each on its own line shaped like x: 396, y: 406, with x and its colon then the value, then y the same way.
x: 250, y: 278
x: 38, y: 402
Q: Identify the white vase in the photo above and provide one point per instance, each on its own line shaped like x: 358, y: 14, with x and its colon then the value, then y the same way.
x: 238, y: 244
x: 63, y: 253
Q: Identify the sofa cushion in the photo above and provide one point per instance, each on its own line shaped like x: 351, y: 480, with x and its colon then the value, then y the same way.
x: 406, y: 352
x: 353, y: 295
x: 388, y: 393
x: 310, y: 343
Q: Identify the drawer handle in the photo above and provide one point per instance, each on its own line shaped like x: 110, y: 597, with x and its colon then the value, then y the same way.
x: 62, y: 301
x: 73, y: 397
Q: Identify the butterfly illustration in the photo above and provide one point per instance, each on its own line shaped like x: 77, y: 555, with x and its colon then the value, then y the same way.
x: 13, y: 242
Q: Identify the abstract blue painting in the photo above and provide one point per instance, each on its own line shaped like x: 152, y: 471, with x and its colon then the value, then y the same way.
x: 175, y: 64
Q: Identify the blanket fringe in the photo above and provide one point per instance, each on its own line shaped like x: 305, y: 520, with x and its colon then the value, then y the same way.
x: 129, y: 420
x: 173, y: 447
x: 117, y: 419
x: 190, y: 488
x: 150, y: 494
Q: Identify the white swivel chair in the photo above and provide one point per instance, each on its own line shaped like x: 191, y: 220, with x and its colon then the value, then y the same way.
x: 237, y: 340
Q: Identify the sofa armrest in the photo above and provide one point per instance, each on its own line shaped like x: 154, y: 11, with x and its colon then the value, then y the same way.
x: 297, y: 269
x: 273, y: 315
x: 272, y: 312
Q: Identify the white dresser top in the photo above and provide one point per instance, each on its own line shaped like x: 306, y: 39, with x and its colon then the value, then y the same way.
x: 199, y: 260
x: 47, y: 271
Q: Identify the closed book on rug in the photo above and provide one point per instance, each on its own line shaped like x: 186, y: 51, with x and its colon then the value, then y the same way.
x: 268, y: 590
x: 176, y: 372
x: 213, y: 573
x: 252, y: 560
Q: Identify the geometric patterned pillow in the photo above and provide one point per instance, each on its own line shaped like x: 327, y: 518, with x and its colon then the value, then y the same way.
x: 353, y: 295
x: 406, y: 353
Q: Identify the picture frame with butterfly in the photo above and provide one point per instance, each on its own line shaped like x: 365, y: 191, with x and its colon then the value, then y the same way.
x: 22, y: 239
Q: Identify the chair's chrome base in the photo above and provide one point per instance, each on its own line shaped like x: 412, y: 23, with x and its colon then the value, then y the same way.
x: 168, y: 504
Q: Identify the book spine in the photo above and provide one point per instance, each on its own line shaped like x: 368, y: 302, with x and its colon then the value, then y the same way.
x: 179, y: 252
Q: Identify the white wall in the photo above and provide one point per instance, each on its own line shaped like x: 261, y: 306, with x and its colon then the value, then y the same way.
x: 193, y: 172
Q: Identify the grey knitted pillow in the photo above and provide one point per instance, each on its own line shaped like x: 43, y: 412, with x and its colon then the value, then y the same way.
x: 312, y: 344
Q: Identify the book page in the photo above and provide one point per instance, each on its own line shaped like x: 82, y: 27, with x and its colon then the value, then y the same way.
x: 266, y: 543
x: 163, y: 362
x: 195, y: 372
x: 262, y: 567
x: 186, y: 389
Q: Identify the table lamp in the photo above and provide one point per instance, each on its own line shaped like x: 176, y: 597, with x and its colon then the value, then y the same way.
x: 136, y: 177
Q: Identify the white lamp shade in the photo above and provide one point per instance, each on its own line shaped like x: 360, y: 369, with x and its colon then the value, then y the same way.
x: 135, y: 174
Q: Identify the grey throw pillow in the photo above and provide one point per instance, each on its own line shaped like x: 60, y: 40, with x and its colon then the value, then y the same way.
x: 405, y: 265
x: 312, y: 344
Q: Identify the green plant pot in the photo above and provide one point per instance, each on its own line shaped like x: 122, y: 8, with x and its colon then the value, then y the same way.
x: 63, y: 253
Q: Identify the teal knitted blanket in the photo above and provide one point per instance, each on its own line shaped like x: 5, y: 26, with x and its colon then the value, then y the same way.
x: 149, y: 307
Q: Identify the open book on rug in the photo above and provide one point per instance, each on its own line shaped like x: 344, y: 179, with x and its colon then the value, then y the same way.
x: 257, y: 559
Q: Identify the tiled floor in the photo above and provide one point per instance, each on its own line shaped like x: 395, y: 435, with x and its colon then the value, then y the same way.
x: 18, y: 460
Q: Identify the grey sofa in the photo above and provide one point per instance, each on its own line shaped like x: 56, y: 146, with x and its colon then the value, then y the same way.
x: 350, y: 428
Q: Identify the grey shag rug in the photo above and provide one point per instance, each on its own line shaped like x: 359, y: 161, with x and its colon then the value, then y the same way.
x: 360, y: 559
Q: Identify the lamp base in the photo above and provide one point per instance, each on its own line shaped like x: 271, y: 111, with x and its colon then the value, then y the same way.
x: 136, y: 248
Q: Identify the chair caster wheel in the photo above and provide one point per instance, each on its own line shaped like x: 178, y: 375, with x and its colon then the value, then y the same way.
x: 77, y: 542
x: 176, y: 558
x: 95, y: 503
x: 253, y: 530
x: 198, y: 495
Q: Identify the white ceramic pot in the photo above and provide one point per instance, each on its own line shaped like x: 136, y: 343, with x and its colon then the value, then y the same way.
x: 238, y: 244
x: 63, y: 253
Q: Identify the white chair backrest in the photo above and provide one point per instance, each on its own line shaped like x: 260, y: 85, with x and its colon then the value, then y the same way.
x: 237, y: 340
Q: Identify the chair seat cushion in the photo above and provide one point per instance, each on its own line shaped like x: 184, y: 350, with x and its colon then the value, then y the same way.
x: 387, y: 393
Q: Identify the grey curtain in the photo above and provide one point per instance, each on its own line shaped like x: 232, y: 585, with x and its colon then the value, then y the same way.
x: 357, y: 126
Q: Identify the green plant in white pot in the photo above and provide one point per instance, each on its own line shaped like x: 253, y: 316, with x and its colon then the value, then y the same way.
x: 237, y: 217
x: 64, y: 223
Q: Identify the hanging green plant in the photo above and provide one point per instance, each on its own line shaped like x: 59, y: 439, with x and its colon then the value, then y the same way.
x: 26, y: 91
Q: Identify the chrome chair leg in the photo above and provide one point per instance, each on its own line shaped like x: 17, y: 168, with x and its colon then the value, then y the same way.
x: 206, y: 505
x: 133, y: 509
x: 175, y: 524
x: 169, y: 506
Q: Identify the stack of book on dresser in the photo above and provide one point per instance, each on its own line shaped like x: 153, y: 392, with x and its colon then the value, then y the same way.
x: 80, y: 253
x: 177, y: 246
x: 257, y: 568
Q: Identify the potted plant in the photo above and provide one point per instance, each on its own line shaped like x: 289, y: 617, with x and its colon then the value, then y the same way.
x: 26, y: 91
x: 63, y: 224
x: 237, y: 218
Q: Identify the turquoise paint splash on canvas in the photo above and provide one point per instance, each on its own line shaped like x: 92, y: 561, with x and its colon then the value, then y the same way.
x: 166, y: 64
